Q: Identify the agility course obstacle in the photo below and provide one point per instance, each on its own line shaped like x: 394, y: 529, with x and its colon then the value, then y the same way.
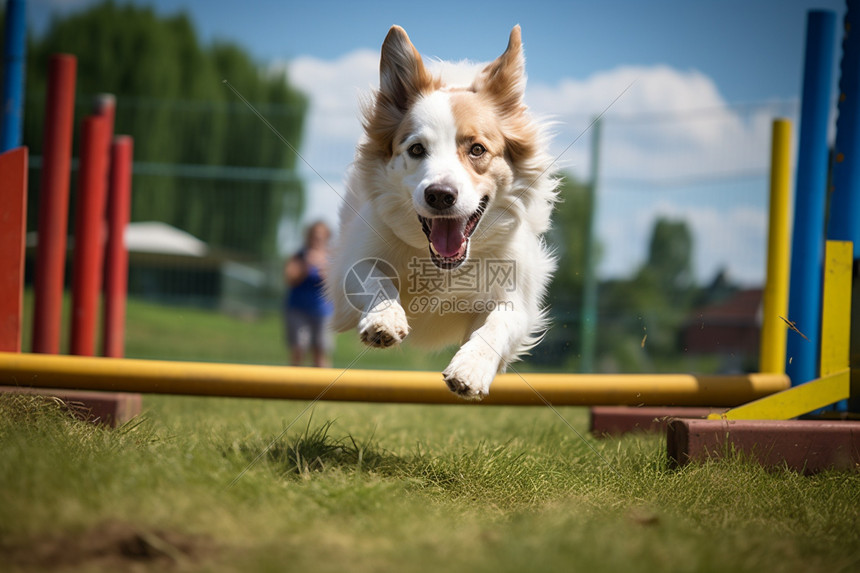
x: 775, y: 297
x: 759, y: 428
x: 821, y: 297
x: 12, y: 88
x: 13, y: 217
x: 111, y: 409
x: 89, y: 230
x: 834, y: 383
x: 116, y: 255
x: 304, y: 383
x: 807, y: 248
x: 54, y: 203
x: 98, y: 159
x: 805, y: 446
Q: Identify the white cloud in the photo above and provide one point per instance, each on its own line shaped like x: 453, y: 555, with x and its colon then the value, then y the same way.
x: 664, y: 123
x: 669, y: 126
x: 333, y: 126
x: 335, y: 88
x: 670, y: 146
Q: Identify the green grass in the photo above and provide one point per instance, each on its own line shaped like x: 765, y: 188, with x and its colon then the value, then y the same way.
x: 366, y: 487
x: 217, y: 484
x: 181, y: 333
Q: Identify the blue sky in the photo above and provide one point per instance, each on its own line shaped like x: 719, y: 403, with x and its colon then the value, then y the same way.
x: 688, y: 140
x: 750, y: 48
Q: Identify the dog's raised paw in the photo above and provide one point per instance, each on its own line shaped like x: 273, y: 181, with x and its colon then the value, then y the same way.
x: 469, y: 381
x: 384, y: 326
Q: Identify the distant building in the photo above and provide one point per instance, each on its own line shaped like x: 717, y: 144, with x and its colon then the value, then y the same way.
x: 729, y: 327
x: 166, y: 264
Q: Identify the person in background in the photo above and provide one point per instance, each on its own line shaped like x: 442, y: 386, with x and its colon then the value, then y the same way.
x: 307, y: 311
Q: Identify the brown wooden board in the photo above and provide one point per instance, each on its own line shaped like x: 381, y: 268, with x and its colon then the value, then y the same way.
x: 807, y: 446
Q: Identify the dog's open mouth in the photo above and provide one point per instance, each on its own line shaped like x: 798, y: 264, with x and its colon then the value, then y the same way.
x: 449, y: 236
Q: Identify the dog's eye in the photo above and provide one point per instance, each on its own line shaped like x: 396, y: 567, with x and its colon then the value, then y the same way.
x: 417, y: 150
x: 477, y: 150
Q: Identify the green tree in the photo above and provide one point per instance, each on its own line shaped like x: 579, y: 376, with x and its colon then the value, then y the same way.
x: 649, y: 309
x: 670, y: 257
x: 171, y: 98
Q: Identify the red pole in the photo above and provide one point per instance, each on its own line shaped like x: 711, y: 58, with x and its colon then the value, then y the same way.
x: 104, y: 105
x: 89, y: 235
x: 54, y: 204
x: 13, y: 231
x: 116, y: 254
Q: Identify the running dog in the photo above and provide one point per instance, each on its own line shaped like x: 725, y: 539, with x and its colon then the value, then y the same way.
x: 441, y: 229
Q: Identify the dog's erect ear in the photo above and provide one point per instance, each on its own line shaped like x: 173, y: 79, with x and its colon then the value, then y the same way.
x: 504, y: 79
x: 402, y: 76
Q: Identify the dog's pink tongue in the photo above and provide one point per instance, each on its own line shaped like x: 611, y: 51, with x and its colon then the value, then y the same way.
x: 447, y: 236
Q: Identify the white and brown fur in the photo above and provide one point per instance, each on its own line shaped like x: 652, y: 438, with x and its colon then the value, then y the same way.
x: 434, y: 150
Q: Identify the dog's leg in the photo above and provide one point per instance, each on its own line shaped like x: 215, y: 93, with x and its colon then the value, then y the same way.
x: 487, y: 352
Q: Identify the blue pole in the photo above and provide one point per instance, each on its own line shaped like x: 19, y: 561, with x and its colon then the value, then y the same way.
x: 807, y: 247
x: 844, y: 223
x: 14, y: 58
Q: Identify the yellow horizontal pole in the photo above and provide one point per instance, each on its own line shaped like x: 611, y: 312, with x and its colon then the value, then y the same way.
x: 248, y: 381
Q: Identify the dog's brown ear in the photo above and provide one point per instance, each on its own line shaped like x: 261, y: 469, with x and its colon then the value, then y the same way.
x: 504, y: 79
x: 402, y: 76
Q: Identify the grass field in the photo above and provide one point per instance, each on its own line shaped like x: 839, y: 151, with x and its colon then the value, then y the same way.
x: 215, y: 484
x: 183, y: 333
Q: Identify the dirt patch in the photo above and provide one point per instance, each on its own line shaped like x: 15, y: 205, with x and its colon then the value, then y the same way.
x: 112, y: 545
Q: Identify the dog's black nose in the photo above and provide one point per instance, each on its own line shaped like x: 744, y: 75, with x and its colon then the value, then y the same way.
x: 440, y: 197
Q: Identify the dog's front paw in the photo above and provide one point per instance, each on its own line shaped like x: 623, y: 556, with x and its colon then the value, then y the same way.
x: 384, y: 325
x: 469, y: 376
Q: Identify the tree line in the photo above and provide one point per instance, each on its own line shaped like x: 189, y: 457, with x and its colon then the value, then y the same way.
x: 171, y: 98
x: 640, y: 317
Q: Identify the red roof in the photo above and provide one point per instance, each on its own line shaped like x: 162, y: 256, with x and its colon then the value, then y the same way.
x: 740, y: 308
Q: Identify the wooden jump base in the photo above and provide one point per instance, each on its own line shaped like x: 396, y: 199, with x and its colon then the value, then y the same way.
x: 807, y: 446
x: 111, y: 409
x: 610, y: 421
x: 294, y: 383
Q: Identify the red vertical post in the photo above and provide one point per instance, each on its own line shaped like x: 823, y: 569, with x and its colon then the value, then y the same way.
x: 54, y: 204
x: 89, y: 235
x: 116, y: 254
x: 13, y: 232
x: 104, y: 105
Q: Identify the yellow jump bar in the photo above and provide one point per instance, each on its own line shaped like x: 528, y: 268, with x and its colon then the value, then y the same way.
x: 294, y: 383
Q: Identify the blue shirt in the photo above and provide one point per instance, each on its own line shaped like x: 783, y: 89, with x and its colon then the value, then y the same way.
x: 309, y: 295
